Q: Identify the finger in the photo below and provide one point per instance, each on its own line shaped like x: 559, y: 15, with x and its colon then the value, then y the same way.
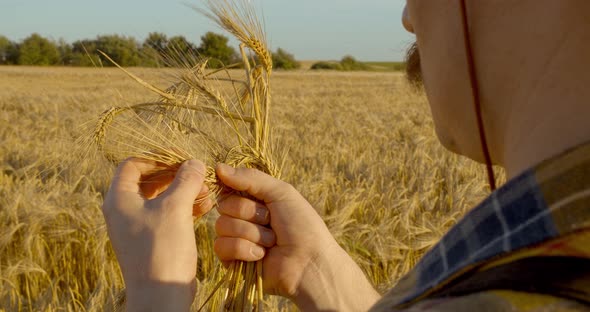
x: 203, y: 203
x: 204, y: 191
x: 254, y: 182
x: 231, y: 248
x: 128, y: 174
x: 231, y: 227
x: 245, y: 209
x: 201, y: 208
x: 157, y: 182
x: 186, y: 186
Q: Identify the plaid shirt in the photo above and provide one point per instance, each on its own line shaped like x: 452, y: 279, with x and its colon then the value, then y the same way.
x: 525, y: 248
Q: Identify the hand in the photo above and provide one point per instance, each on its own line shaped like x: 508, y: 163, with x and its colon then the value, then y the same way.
x: 302, y: 261
x: 150, y: 223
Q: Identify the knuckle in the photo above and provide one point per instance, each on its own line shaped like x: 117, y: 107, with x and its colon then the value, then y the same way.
x: 242, y: 208
x: 288, y: 187
x: 285, y: 190
x: 187, y: 176
x: 248, y: 172
x: 221, y: 224
x: 226, y: 205
x: 218, y: 248
x: 222, y: 206
x: 228, y: 248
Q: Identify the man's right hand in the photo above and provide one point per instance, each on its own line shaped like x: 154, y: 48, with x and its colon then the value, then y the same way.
x: 302, y: 261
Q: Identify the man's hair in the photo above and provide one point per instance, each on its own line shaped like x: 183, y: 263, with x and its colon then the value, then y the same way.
x: 413, y: 67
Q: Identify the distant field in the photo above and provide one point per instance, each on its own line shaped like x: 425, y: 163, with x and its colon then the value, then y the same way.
x: 362, y: 151
x: 387, y: 66
x: 375, y: 66
x: 307, y: 64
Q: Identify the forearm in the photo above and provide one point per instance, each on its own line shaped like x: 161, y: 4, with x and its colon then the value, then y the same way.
x: 159, y: 296
x: 334, y: 282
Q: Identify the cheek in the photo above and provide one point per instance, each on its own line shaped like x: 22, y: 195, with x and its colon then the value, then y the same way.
x: 445, y: 126
x: 455, y: 125
x: 439, y: 33
x: 438, y: 29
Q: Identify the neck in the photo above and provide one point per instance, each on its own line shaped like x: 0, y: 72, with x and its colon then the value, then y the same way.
x: 549, y: 128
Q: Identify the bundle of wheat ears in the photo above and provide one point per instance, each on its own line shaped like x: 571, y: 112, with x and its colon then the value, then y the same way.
x: 210, y: 115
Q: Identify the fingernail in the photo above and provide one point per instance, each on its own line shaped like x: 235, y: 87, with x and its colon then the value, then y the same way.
x: 267, y: 238
x: 227, y: 170
x: 257, y: 251
x: 261, y: 214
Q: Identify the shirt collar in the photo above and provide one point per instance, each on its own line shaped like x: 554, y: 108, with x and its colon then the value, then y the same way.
x: 543, y: 203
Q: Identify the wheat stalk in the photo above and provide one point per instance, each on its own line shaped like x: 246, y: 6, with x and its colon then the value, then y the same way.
x: 195, y: 118
x: 238, y: 18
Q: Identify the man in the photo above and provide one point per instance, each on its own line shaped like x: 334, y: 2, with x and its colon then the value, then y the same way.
x: 523, y: 67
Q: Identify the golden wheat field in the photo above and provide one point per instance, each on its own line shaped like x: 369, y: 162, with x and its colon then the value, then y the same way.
x: 361, y: 149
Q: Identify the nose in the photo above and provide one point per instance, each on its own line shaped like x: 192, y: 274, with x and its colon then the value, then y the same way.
x: 406, y: 21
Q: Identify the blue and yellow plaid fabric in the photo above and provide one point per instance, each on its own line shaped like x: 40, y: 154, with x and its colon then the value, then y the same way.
x: 525, y: 248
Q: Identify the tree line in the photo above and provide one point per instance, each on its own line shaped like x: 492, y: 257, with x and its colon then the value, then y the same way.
x: 157, y: 50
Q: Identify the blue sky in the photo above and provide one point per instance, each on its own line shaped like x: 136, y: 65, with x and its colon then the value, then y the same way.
x: 311, y: 29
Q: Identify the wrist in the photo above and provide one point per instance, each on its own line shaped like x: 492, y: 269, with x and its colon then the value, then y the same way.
x: 159, y: 296
x: 332, y: 281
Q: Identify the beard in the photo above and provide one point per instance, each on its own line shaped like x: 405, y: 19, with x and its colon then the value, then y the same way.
x: 413, y: 67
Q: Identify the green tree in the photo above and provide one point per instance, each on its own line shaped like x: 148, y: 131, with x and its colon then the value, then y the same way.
x: 350, y: 63
x: 84, y: 53
x: 179, y: 46
x: 8, y: 51
x: 154, y: 50
x: 157, y: 41
x: 179, y: 53
x: 326, y: 66
x: 5, y: 43
x: 123, y: 50
x: 216, y: 47
x: 65, y: 52
x: 347, y: 63
x: 36, y: 50
x: 284, y: 60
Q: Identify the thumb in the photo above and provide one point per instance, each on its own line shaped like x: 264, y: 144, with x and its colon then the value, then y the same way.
x: 254, y: 182
x: 186, y: 185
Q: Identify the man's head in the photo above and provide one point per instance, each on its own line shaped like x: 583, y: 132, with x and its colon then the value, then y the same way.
x: 521, y: 48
